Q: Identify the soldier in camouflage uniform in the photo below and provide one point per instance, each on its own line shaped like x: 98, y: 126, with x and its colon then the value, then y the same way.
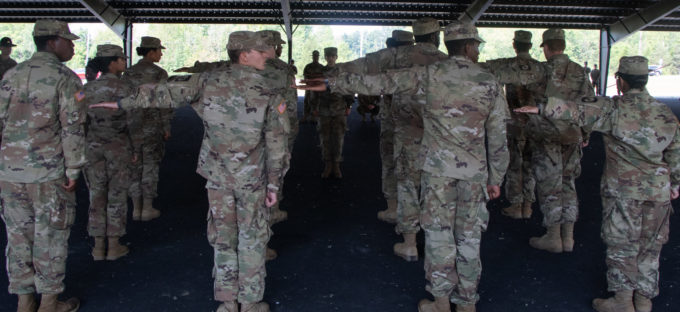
x: 43, y: 150
x: 6, y: 62
x: 463, y: 110
x: 332, y: 110
x: 155, y: 127
x: 110, y: 150
x: 243, y: 157
x: 368, y: 104
x: 311, y: 70
x: 556, y: 145
x: 641, y: 175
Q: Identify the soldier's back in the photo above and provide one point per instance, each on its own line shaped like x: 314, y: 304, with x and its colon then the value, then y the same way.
x: 104, y: 123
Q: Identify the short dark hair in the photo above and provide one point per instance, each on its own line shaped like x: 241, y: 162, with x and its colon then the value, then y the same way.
x: 144, y: 51
x: 457, y: 47
x: 101, y: 63
x: 634, y: 81
x: 41, y: 42
x: 234, y: 54
x: 522, y: 46
x: 555, y: 44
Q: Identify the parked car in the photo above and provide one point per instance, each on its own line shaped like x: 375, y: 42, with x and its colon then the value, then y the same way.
x: 654, y: 70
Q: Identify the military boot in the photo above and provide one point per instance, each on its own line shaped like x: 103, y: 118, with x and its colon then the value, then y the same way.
x: 440, y: 304
x: 255, y: 307
x: 621, y: 302
x: 642, y: 303
x: 137, y: 208
x: 336, y: 170
x: 148, y: 211
x: 568, y: 236
x: 551, y: 241
x: 408, y: 249
x: 465, y: 308
x: 270, y: 254
x: 99, y: 249
x: 514, y: 211
x: 327, y: 170
x: 526, y: 210
x: 389, y: 215
x: 116, y: 250
x: 27, y: 303
x: 230, y: 306
x: 49, y: 303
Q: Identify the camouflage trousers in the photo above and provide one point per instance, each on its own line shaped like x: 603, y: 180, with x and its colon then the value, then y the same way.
x: 108, y: 177
x: 332, y: 136
x: 453, y: 218
x: 38, y: 219
x: 294, y: 124
x: 144, y: 173
x: 389, y: 181
x: 519, y: 179
x: 308, y: 103
x: 556, y: 166
x: 407, y: 172
x: 634, y: 232
x: 238, y: 231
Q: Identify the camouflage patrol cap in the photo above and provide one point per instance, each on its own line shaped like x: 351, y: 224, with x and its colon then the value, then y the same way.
x: 330, y: 51
x: 108, y: 50
x: 247, y: 40
x: 402, y: 36
x: 522, y: 36
x: 552, y: 34
x: 458, y: 30
x: 425, y: 25
x: 634, y: 65
x: 151, y: 42
x: 48, y: 27
x: 273, y: 37
x: 7, y: 42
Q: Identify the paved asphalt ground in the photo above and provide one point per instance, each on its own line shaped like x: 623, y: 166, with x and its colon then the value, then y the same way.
x: 334, y: 255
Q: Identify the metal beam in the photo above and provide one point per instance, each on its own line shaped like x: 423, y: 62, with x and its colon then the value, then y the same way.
x: 285, y: 11
x: 127, y: 43
x: 107, y: 15
x: 641, y: 19
x: 475, y: 11
x: 605, y: 49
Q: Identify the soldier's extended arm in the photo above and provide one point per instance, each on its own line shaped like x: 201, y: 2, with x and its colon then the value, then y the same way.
x: 591, y: 113
x: 372, y: 63
x: 398, y: 81
x: 72, y: 116
x: 510, y: 71
x: 671, y: 155
x: 497, y: 144
x: 172, y: 94
x: 275, y: 135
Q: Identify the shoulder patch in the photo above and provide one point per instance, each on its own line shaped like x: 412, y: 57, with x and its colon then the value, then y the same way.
x: 80, y: 95
x: 282, y: 107
x: 589, y: 99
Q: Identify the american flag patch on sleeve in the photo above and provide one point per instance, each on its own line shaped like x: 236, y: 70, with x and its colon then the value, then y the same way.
x: 80, y: 95
x: 282, y: 107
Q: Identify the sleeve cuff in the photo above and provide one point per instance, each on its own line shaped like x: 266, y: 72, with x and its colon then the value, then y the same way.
x: 272, y: 188
x: 73, y: 174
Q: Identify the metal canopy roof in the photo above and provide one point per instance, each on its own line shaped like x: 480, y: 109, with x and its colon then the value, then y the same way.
x: 579, y: 14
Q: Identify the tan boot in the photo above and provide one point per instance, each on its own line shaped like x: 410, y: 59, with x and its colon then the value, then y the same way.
x: 440, y: 304
x: 551, y: 241
x: 137, y: 208
x: 336, y: 170
x: 408, y: 249
x: 390, y: 214
x: 270, y: 254
x: 148, y: 211
x: 327, y: 170
x: 642, y: 303
x: 116, y: 250
x: 568, y: 236
x: 230, y: 306
x: 99, y: 249
x: 514, y: 211
x: 49, y: 303
x: 465, y: 308
x: 621, y: 302
x: 526, y: 210
x: 255, y: 307
x: 27, y: 303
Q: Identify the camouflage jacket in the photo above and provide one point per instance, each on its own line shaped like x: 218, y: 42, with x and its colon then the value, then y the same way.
x: 558, y: 77
x: 155, y: 121
x: 200, y: 67
x: 464, y: 115
x: 5, y: 65
x: 332, y: 104
x: 42, y: 116
x: 105, y: 125
x: 312, y: 70
x: 282, y: 73
x: 245, y: 121
x: 642, y: 141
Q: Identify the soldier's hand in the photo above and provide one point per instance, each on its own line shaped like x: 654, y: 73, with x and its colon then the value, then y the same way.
x: 109, y: 105
x: 674, y: 193
x: 166, y: 135
x: 70, y: 186
x: 584, y: 144
x: 526, y: 110
x: 347, y: 111
x: 270, y: 200
x: 494, y: 191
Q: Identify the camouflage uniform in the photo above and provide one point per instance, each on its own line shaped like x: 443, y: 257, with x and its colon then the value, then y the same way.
x: 242, y: 159
x: 311, y: 70
x: 642, y: 143
x: 155, y: 123
x: 5, y: 65
x: 109, y: 149
x: 365, y: 101
x: 463, y: 110
x: 389, y: 181
x: 332, y: 122
x: 279, y: 71
x: 41, y: 119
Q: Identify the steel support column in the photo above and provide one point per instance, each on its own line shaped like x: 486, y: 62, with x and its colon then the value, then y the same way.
x: 127, y: 43
x: 605, y: 49
x: 285, y: 11
x: 475, y: 11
